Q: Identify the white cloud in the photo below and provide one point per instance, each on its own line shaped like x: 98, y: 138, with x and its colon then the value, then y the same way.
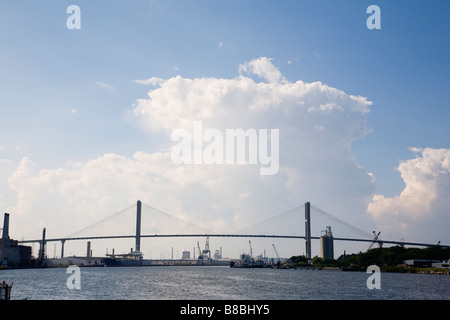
x: 316, y: 162
x: 422, y: 208
x: 5, y: 161
x: 263, y: 67
x: 106, y: 86
x: 16, y: 148
x: 150, y: 81
x: 242, y: 102
x: 326, y: 108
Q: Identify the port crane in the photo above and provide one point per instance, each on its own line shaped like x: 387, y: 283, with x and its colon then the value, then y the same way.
x: 375, y: 239
x: 199, y: 250
x: 276, y: 252
x: 204, y: 256
x: 207, y: 251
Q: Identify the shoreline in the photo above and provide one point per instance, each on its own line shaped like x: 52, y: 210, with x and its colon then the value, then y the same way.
x: 385, y: 269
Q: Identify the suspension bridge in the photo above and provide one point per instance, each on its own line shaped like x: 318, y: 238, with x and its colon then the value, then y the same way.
x: 149, y: 222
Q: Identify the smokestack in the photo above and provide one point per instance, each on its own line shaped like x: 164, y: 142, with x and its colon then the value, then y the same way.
x: 5, y: 234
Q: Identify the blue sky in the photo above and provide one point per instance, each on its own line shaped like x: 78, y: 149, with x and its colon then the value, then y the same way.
x: 67, y: 95
x: 48, y: 70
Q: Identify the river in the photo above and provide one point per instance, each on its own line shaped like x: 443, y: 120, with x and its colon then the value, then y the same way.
x: 219, y: 283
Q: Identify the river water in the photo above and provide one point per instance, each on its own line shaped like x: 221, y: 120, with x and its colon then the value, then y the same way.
x: 219, y: 283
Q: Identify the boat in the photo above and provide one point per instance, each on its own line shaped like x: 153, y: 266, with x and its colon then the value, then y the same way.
x: 247, y: 261
x: 135, y: 259
x: 123, y: 260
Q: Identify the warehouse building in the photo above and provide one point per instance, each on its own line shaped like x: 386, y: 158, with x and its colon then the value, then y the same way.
x: 12, y: 255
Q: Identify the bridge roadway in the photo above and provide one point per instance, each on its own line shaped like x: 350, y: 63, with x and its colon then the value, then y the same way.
x: 231, y: 236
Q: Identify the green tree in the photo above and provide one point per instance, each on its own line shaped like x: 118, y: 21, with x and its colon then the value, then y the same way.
x: 316, y: 261
x: 299, y: 259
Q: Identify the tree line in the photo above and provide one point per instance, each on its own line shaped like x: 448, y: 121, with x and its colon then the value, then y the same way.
x: 390, y: 256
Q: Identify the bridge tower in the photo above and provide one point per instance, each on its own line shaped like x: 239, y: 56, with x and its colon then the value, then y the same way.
x: 308, y: 229
x: 138, y: 227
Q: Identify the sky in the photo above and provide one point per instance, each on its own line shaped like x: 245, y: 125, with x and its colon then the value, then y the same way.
x: 86, y: 115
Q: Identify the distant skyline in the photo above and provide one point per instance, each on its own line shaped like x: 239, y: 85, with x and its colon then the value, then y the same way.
x: 363, y: 115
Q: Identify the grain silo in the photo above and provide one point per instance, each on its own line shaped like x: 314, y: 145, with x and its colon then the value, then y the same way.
x: 326, y: 244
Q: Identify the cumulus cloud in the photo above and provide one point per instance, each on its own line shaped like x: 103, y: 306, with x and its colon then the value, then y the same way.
x: 264, y: 68
x: 317, y: 124
x: 421, y: 209
x: 242, y: 102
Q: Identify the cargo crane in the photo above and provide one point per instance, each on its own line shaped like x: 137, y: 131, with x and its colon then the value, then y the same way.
x: 207, y: 251
x: 375, y: 239
x: 276, y: 252
x: 199, y: 250
x: 204, y: 256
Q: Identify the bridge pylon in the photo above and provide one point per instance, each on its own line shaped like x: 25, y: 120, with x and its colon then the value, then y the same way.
x: 138, y: 226
x: 308, y: 229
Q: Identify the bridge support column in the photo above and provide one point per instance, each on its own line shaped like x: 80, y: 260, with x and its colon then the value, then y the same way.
x: 62, y: 248
x: 88, y: 250
x: 42, y: 249
x: 308, y: 230
x: 138, y: 227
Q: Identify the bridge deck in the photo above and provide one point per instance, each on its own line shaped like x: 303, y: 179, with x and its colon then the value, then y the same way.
x: 229, y: 236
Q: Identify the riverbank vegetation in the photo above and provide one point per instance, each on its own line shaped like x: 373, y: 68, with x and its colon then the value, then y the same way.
x: 390, y: 259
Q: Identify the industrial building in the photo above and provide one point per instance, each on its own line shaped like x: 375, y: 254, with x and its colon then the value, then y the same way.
x: 326, y: 244
x: 444, y: 264
x: 186, y: 255
x: 13, y: 255
x: 420, y: 263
